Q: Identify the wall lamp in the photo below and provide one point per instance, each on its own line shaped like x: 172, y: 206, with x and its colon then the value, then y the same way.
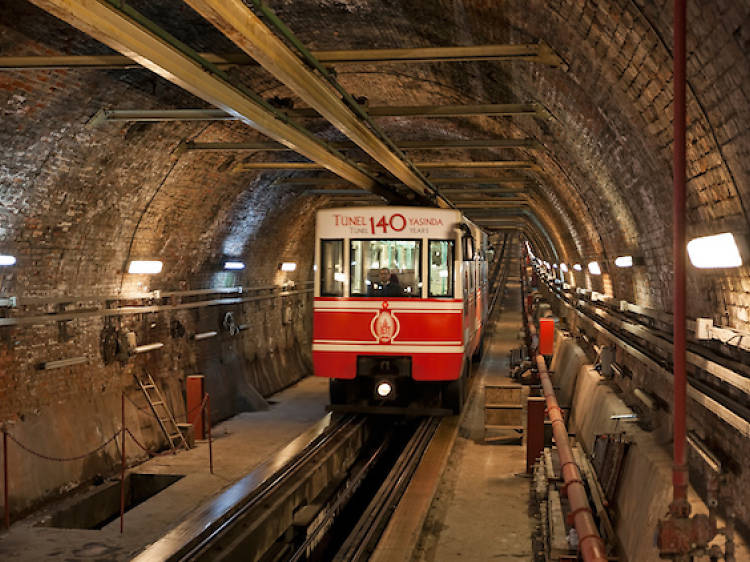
x: 7, y: 260
x: 710, y: 252
x: 148, y: 267
x: 236, y: 265
x: 563, y: 268
x: 577, y: 267
x: 629, y: 261
x: 288, y: 266
x: 594, y: 268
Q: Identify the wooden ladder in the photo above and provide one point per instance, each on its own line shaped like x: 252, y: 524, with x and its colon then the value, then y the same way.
x: 161, y: 411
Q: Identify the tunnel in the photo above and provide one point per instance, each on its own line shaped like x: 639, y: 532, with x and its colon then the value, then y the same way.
x: 202, y: 137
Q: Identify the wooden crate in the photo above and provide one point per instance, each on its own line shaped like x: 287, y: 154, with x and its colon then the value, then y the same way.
x: 504, y: 407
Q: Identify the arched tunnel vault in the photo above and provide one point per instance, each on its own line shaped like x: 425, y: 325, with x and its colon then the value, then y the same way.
x: 78, y: 202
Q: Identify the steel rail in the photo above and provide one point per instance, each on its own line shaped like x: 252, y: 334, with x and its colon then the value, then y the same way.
x: 403, y: 145
x: 540, y: 52
x: 206, y: 544
x: 122, y: 28
x: 127, y: 310
x: 725, y: 408
x: 426, y: 111
x: 362, y: 540
x: 332, y: 511
x: 590, y: 542
x: 246, y: 30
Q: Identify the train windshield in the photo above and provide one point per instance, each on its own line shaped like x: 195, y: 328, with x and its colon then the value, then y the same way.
x: 386, y: 268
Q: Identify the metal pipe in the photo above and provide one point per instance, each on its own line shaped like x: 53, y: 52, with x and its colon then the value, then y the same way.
x: 680, y: 506
x: 591, y: 544
x: 122, y: 465
x: 210, y: 440
x: 6, y: 506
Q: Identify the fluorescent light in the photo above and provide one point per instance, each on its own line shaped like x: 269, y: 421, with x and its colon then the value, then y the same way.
x: 719, y: 250
x: 624, y: 261
x: 340, y: 277
x: 594, y: 268
x: 563, y: 268
x: 7, y: 260
x: 234, y: 265
x: 577, y: 266
x: 145, y: 266
x: 288, y: 266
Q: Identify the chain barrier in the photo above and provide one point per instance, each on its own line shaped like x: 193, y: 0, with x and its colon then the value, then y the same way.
x: 123, y: 429
x: 63, y: 459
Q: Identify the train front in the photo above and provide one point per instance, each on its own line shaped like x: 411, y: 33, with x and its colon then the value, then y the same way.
x: 387, y: 325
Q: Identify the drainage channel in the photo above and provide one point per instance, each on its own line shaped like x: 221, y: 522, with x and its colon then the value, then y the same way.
x: 330, y: 500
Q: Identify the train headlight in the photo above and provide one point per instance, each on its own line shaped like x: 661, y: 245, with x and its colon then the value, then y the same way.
x: 384, y: 389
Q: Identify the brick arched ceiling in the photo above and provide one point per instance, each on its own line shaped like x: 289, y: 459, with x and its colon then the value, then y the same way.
x: 79, y: 201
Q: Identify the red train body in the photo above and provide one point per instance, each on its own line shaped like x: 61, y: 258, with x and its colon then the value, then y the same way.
x: 400, y: 305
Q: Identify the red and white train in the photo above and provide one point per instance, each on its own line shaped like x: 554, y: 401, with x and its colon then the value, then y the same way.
x: 400, y: 306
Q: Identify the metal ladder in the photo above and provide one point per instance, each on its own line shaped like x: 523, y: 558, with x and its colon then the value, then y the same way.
x: 162, y: 413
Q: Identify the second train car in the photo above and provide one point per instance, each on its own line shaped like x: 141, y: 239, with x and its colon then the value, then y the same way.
x: 400, y: 306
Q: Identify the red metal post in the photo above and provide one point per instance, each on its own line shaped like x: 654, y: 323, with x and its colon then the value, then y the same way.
x: 680, y: 506
x: 534, y: 430
x: 122, y: 466
x: 6, y: 507
x: 546, y: 336
x: 210, y: 442
x: 194, y: 395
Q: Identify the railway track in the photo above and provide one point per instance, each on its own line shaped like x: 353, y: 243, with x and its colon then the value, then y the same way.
x: 719, y: 384
x: 329, y: 500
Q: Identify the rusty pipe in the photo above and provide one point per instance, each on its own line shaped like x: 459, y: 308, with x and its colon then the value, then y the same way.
x: 680, y: 506
x: 590, y: 542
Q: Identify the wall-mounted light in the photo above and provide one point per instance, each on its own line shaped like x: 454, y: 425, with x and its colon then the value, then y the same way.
x: 719, y: 250
x: 577, y: 266
x: 624, y: 261
x: 60, y: 363
x: 234, y: 265
x: 149, y: 267
x: 594, y: 268
x: 7, y: 260
x: 147, y: 347
x: 204, y: 335
x: 288, y: 266
x: 563, y: 268
x: 340, y: 277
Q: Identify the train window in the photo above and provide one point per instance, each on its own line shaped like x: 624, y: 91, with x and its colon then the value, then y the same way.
x: 441, y: 268
x: 332, y: 268
x: 386, y: 268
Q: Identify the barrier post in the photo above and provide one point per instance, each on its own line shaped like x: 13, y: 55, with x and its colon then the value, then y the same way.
x: 210, y: 443
x: 535, y: 406
x: 6, y: 507
x: 122, y: 467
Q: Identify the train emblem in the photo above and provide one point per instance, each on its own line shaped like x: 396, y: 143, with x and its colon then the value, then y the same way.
x: 384, y: 325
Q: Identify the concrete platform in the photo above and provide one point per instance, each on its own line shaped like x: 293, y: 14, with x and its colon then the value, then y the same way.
x: 240, y: 444
x: 480, y: 510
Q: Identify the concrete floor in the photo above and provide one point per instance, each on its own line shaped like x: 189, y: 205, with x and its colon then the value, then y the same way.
x: 480, y: 511
x: 240, y: 444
